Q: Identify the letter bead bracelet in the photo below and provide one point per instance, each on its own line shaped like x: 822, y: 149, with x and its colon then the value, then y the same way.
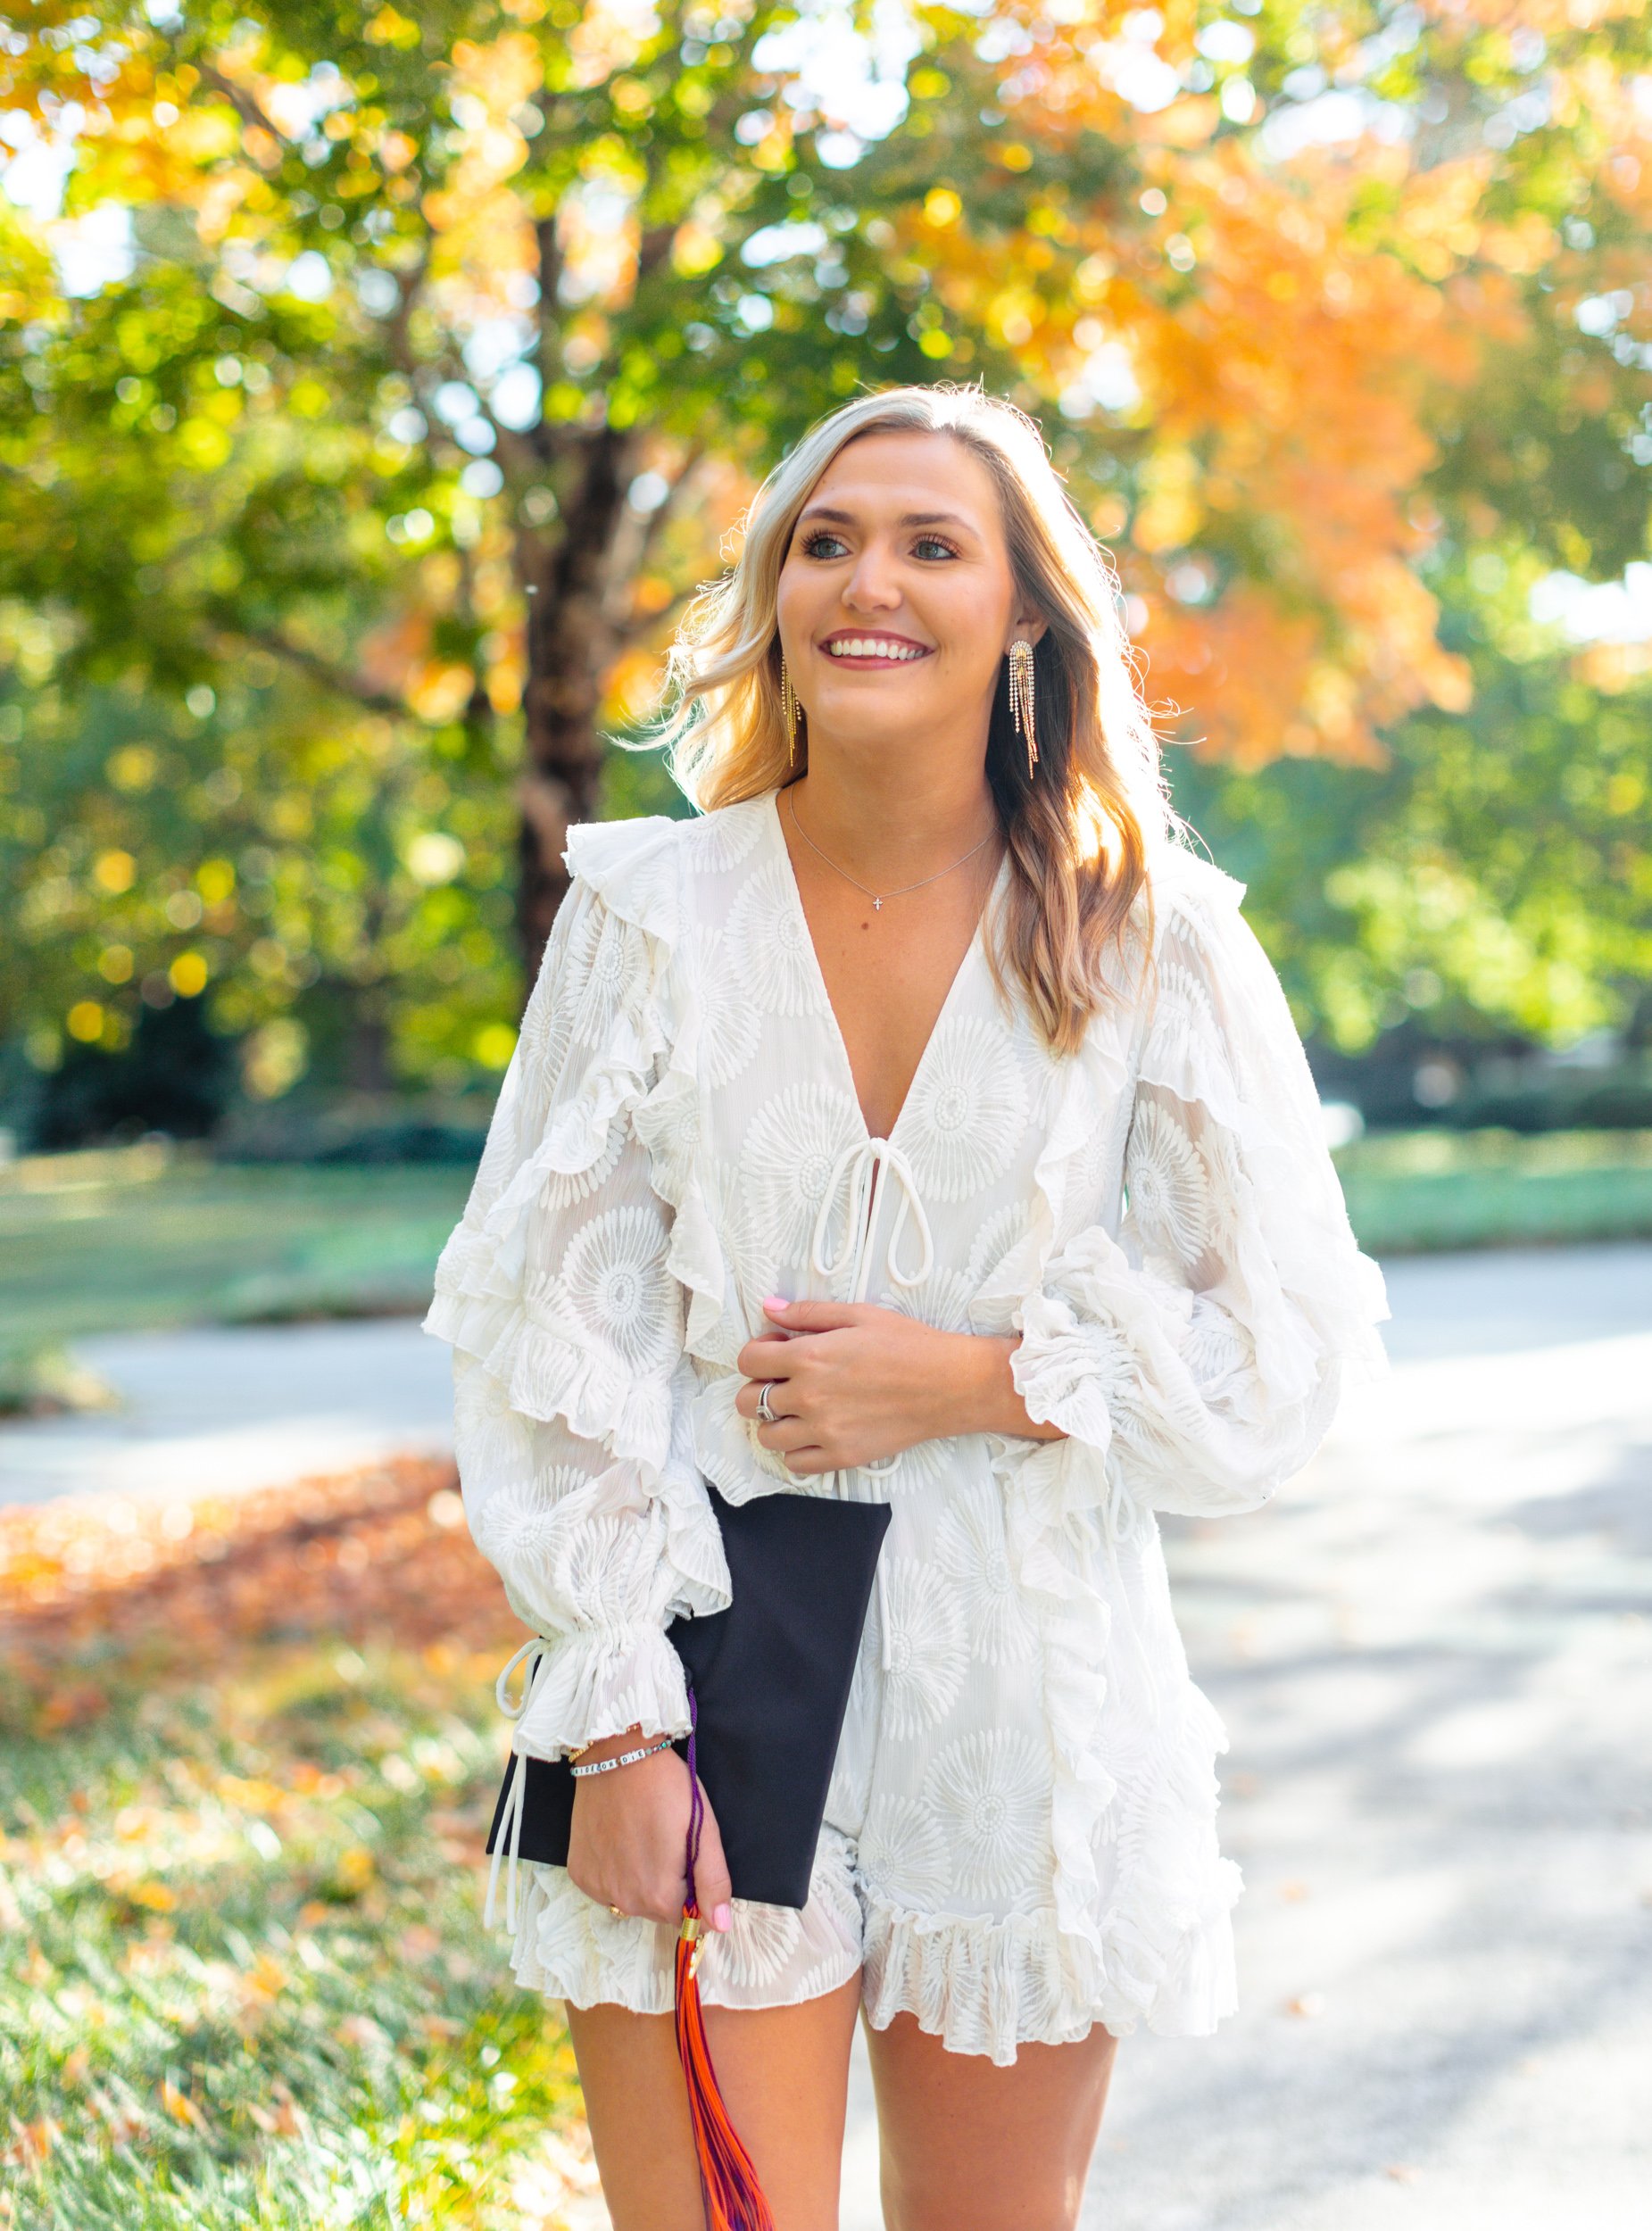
x: 625, y: 1758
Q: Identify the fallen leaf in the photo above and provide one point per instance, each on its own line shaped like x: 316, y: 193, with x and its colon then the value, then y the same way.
x: 31, y: 2143
x: 180, y: 2106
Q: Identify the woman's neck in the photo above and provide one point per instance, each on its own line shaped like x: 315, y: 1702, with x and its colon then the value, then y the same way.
x: 890, y: 820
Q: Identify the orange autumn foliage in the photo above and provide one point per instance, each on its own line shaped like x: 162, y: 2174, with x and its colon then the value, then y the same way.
x: 381, y: 1551
x: 1292, y: 325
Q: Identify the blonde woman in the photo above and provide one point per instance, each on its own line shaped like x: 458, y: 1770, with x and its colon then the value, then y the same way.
x: 921, y: 1123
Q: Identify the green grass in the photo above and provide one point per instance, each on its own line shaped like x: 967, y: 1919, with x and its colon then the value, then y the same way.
x: 1409, y: 1192
x: 241, y: 1979
x: 142, y: 1236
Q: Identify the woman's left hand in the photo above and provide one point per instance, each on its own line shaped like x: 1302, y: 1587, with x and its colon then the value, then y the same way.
x: 850, y: 1383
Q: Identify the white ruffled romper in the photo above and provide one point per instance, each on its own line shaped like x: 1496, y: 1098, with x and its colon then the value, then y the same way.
x: 1020, y: 1838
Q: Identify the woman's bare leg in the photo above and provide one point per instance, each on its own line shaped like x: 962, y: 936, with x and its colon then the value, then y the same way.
x: 785, y: 2075
x: 964, y: 2142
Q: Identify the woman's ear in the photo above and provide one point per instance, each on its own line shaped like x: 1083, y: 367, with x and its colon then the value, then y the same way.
x: 1029, y: 625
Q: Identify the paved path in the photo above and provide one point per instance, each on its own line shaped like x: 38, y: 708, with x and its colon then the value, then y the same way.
x: 1431, y: 1653
x: 237, y: 1406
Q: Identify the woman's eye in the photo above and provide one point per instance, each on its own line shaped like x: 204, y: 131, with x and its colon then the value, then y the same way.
x: 813, y: 546
x: 929, y: 545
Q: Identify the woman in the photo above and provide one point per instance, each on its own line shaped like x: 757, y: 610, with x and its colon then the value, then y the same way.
x: 921, y: 1123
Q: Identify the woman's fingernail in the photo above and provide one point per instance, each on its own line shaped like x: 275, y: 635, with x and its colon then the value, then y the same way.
x: 723, y: 1919
x: 775, y: 1301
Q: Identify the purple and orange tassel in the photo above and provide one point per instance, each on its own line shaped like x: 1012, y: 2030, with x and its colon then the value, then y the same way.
x: 733, y: 2199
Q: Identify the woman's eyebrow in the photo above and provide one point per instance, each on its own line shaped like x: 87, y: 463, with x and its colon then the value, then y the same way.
x: 906, y: 519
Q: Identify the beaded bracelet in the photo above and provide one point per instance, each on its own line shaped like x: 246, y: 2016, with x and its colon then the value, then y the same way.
x: 625, y: 1758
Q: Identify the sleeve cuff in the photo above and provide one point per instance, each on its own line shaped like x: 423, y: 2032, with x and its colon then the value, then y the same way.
x: 1065, y: 1371
x: 599, y: 1681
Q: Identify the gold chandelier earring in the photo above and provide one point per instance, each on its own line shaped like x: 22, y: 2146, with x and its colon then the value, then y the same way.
x: 1021, y: 699
x: 790, y: 710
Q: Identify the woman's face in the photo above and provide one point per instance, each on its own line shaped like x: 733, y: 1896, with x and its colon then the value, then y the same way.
x: 896, y: 602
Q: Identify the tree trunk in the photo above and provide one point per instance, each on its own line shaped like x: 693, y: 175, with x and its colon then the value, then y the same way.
x: 571, y: 642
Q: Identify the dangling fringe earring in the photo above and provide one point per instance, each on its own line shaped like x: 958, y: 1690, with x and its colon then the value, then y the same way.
x: 789, y: 710
x: 733, y: 2199
x: 1021, y: 699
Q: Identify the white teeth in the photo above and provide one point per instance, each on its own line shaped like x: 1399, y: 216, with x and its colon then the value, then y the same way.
x: 871, y: 647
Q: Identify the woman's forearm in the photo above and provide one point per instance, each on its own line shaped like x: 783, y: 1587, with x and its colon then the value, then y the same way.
x: 976, y: 1393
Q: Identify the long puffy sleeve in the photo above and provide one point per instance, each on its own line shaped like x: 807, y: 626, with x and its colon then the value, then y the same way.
x: 1199, y: 1355
x: 567, y: 1325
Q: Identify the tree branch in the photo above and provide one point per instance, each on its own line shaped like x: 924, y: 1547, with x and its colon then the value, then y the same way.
x: 242, y: 102
x: 322, y: 669
x: 409, y: 287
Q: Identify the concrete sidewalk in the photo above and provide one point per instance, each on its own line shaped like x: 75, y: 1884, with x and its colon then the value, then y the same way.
x: 234, y: 1406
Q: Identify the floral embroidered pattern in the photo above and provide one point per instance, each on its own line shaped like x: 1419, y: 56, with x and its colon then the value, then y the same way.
x: 903, y: 1852
x: 769, y: 945
x: 762, y: 1940
x: 561, y: 1189
x: 972, y: 1552
x: 615, y: 1283
x: 786, y: 1167
x: 1165, y: 1181
x: 924, y: 1649
x: 731, y: 1023
x: 1185, y: 1016
x: 719, y: 841
x: 517, y: 1526
x: 997, y: 1239
x: 967, y: 1111
x: 991, y: 1793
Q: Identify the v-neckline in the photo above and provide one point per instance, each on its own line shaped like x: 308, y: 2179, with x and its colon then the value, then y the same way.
x: 795, y: 898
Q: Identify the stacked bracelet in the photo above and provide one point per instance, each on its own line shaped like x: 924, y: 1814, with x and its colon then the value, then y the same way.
x: 625, y: 1758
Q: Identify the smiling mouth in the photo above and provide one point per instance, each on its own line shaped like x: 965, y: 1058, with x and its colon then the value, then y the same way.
x: 873, y: 651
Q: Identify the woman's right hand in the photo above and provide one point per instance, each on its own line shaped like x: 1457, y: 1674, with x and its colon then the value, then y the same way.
x: 628, y: 1844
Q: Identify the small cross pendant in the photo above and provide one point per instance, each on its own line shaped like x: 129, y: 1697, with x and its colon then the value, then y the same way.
x: 877, y: 906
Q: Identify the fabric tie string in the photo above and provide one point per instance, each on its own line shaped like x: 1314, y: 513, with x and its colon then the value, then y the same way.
x: 856, y: 1167
x: 508, y: 1842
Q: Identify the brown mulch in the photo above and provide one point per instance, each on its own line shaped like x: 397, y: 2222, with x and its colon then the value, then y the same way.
x: 380, y: 1553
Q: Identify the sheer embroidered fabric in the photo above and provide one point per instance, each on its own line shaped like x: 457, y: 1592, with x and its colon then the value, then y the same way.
x: 1021, y: 1836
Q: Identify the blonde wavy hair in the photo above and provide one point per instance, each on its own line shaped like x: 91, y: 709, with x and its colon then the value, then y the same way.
x: 1081, y: 835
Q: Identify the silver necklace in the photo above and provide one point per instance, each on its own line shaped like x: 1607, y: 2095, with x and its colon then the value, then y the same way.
x: 876, y: 897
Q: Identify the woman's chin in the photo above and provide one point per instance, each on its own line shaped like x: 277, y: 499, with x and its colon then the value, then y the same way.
x: 881, y: 701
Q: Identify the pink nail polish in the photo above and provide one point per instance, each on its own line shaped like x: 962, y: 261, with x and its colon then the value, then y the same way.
x: 775, y: 1301
x: 723, y: 1919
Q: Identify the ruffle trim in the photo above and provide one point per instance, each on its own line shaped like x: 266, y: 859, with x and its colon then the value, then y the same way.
x: 646, y: 1073
x: 598, y: 1682
x: 990, y: 1987
x: 570, y: 1946
x: 548, y: 1377
x: 981, y: 1986
x: 638, y: 868
x: 1046, y: 1485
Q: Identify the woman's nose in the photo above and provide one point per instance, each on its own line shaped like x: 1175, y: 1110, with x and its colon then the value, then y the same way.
x: 872, y: 587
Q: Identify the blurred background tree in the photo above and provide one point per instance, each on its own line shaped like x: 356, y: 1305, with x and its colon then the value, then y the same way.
x: 376, y: 386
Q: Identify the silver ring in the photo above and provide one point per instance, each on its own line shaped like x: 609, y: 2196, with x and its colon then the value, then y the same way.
x: 763, y: 1410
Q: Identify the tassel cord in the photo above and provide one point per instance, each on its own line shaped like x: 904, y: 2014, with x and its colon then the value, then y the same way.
x: 733, y: 2197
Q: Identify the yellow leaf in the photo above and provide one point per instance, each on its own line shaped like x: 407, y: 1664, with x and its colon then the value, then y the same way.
x: 180, y: 2106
